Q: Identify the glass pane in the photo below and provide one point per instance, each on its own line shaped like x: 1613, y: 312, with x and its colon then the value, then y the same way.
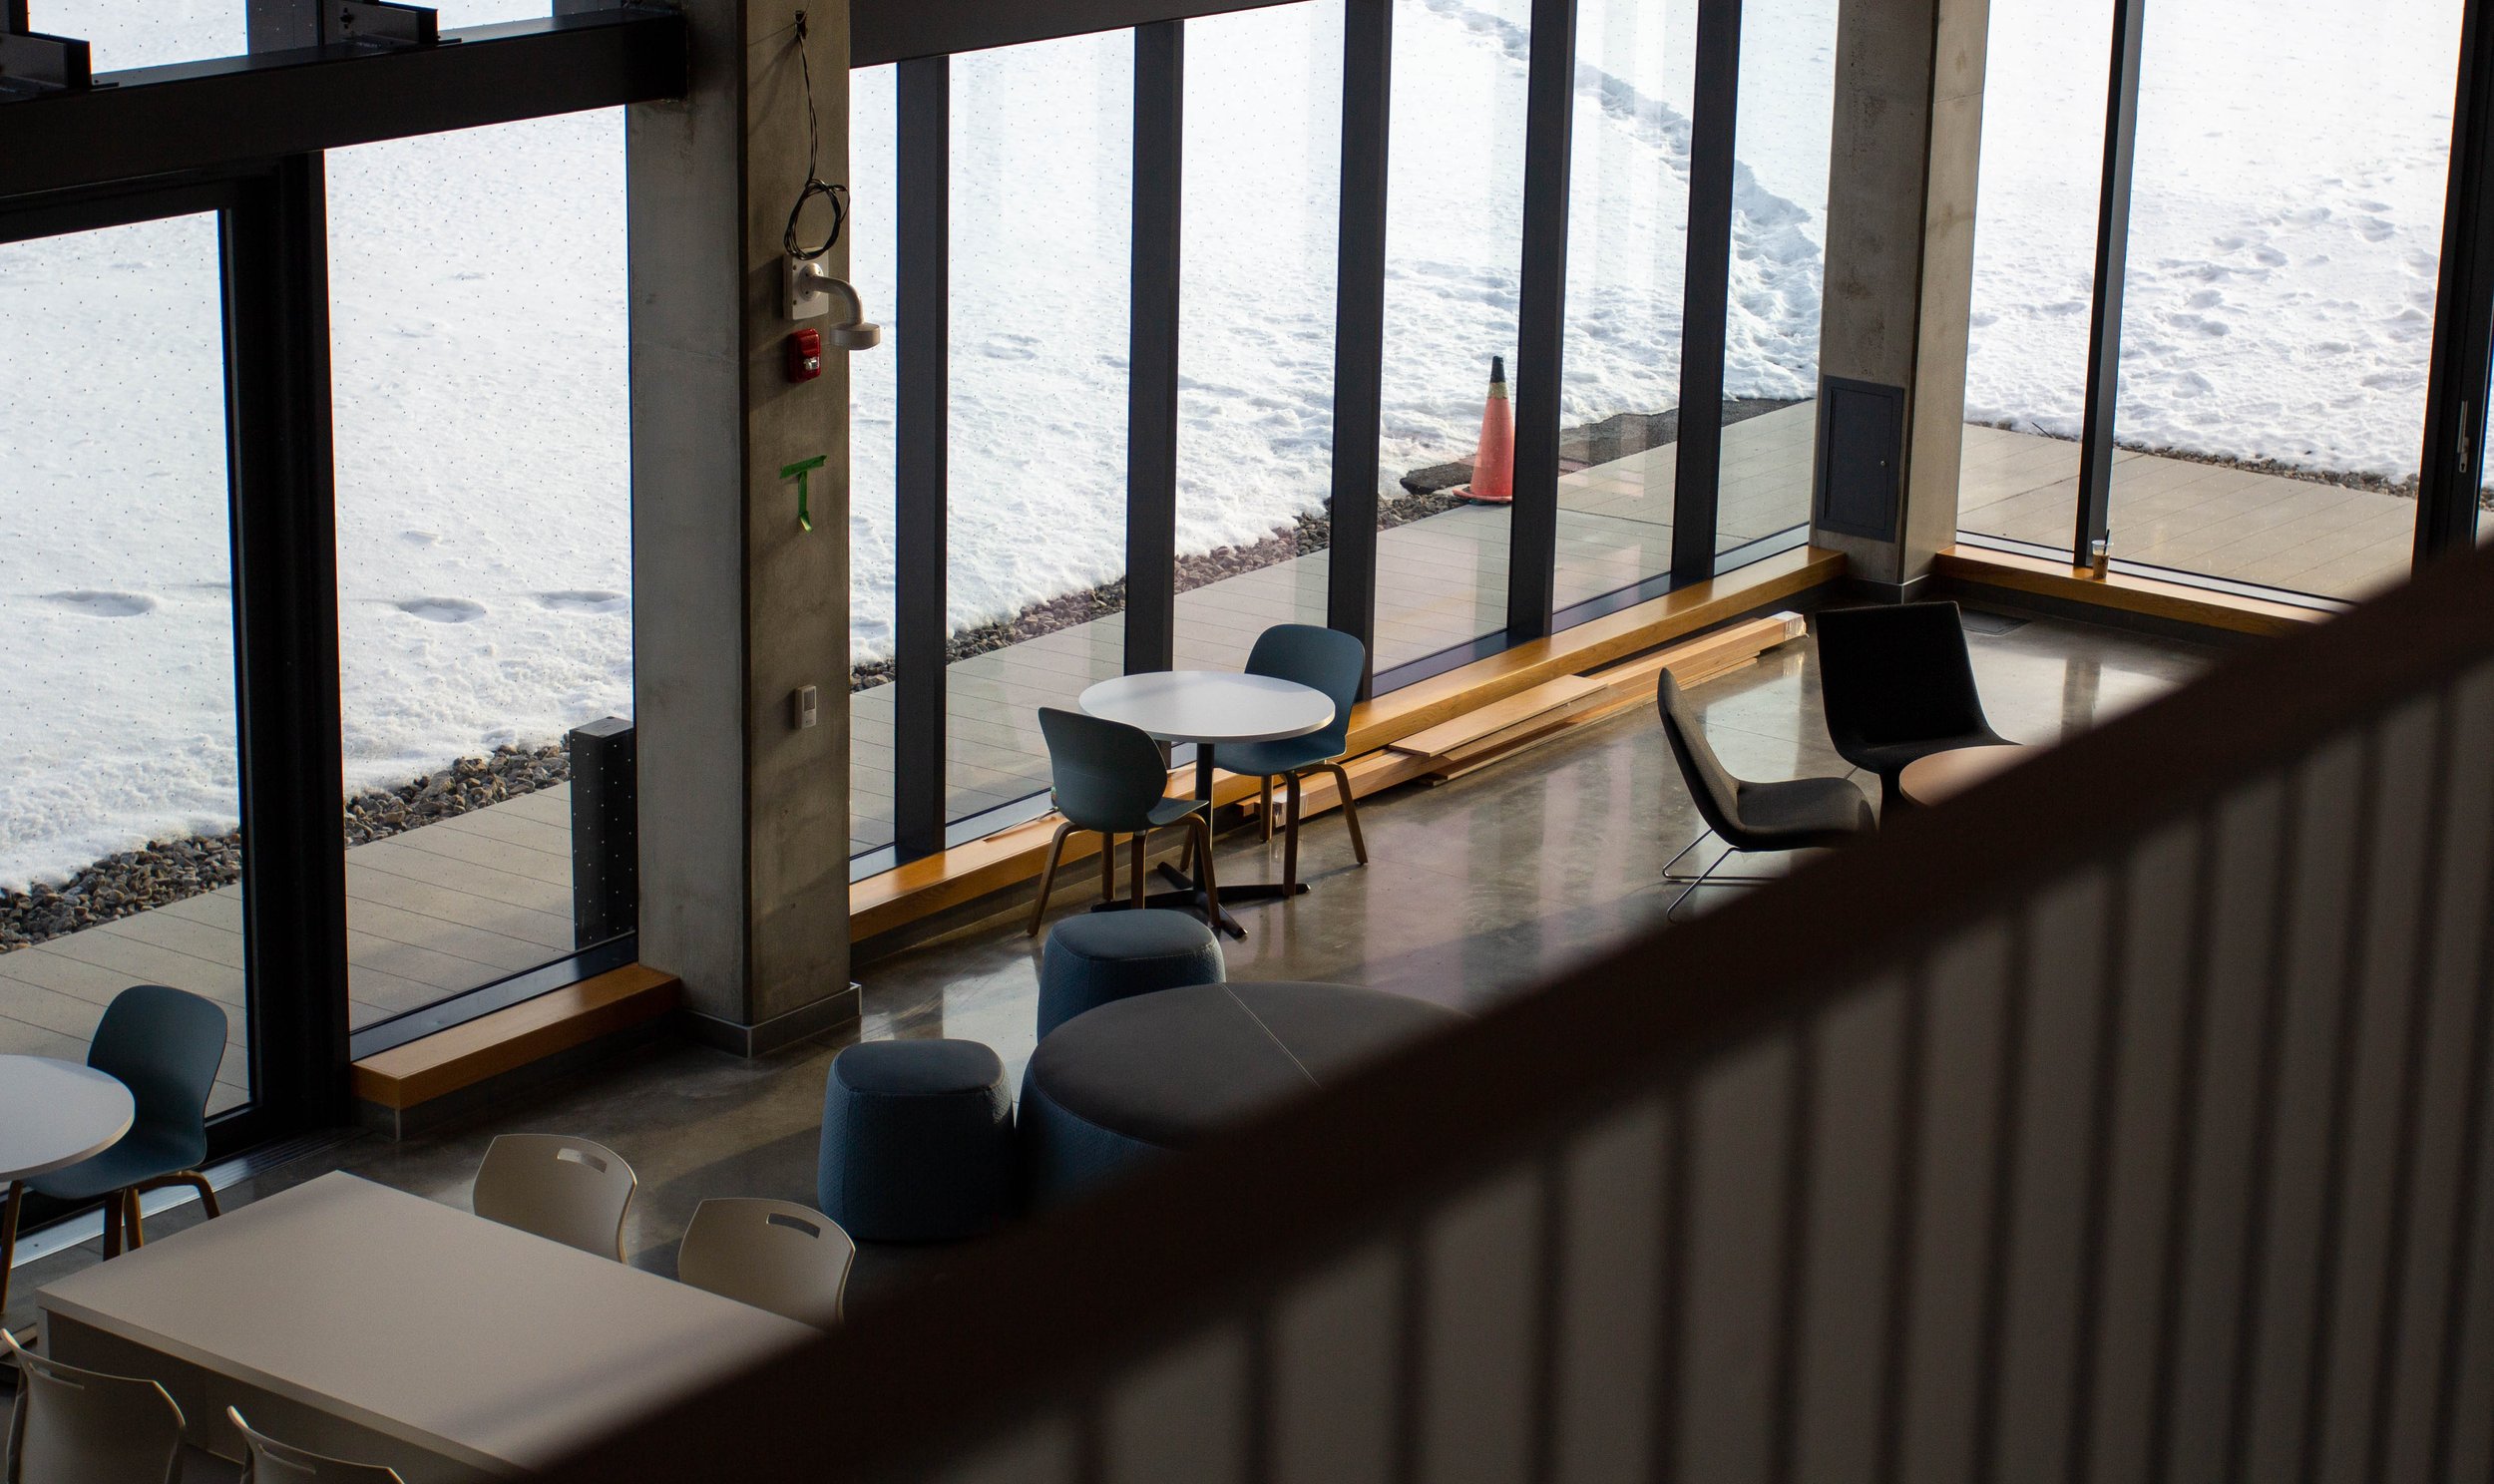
x: 873, y: 252
x: 484, y: 536
x: 121, y: 853
x: 1627, y: 247
x: 2034, y: 268
x: 1778, y: 252
x: 1256, y: 334
x: 1453, y: 269
x: 2286, y: 223
x: 1042, y: 223
x: 121, y: 35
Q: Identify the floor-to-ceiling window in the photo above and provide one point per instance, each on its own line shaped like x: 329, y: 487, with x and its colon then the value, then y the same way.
x: 1262, y: 151
x: 1779, y: 268
x: 1454, y: 270
x: 2034, y: 269
x: 120, y: 808
x: 2279, y: 304
x: 1627, y: 252
x: 1041, y: 206
x: 484, y: 517
x: 874, y: 570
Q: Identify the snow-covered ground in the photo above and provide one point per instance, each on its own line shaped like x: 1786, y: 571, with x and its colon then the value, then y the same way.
x: 2280, y: 293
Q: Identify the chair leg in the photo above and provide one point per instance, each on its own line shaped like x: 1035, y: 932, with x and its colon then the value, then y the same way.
x: 1107, y: 868
x: 191, y: 1177
x: 130, y: 1213
x: 1349, y: 811
x: 112, y: 1226
x: 1264, y: 805
x: 1138, y: 866
x: 1290, y: 834
x: 1047, y: 878
x: 1202, y: 830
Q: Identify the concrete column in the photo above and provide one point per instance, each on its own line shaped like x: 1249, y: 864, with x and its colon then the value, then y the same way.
x: 1901, y: 250
x: 744, y: 838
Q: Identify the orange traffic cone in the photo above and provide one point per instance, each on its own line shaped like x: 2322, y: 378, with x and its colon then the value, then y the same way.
x: 1493, y: 463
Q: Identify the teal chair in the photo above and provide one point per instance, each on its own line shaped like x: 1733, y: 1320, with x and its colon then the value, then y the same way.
x: 164, y: 1046
x: 1323, y: 659
x: 1111, y: 780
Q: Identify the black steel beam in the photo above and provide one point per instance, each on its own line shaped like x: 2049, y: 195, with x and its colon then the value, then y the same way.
x: 1360, y: 323
x: 2453, y: 470
x: 2103, y: 332
x: 285, y: 599
x: 1152, y: 515
x: 203, y: 114
x: 1706, y: 291
x: 1541, y: 319
x: 883, y: 31
x: 922, y: 340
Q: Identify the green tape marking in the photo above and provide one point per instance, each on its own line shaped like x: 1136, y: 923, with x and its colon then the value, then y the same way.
x: 797, y: 472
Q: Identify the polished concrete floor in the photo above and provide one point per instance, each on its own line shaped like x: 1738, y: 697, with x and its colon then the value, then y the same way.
x: 1477, y: 889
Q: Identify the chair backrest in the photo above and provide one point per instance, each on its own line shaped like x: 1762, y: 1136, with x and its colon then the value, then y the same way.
x: 1107, y: 774
x: 78, y: 1426
x: 1896, y: 673
x: 164, y: 1044
x: 1711, y: 785
x: 1324, y: 659
x: 791, y: 1259
x: 565, y: 1190
x: 273, y: 1462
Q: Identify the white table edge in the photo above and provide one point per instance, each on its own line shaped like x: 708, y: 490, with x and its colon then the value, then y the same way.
x: 31, y: 1172
x: 1082, y: 701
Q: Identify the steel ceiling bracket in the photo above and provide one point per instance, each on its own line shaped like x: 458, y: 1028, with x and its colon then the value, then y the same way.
x: 32, y: 64
x: 382, y: 23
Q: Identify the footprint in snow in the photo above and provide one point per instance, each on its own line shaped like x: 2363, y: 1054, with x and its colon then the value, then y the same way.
x: 442, y: 609
x: 2375, y: 229
x: 2269, y: 257
x: 418, y: 537
x: 96, y: 605
x: 586, y: 601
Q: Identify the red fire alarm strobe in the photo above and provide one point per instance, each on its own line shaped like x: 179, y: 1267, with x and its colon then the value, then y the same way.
x: 805, y: 355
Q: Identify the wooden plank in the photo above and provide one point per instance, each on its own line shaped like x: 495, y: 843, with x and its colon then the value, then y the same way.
x: 2175, y: 601
x: 1522, y: 708
x: 464, y: 1055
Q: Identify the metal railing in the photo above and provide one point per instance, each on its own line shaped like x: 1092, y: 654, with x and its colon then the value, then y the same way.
x: 2124, y: 1119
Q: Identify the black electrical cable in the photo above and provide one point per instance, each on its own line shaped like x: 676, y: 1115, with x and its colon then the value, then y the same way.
x: 815, y: 185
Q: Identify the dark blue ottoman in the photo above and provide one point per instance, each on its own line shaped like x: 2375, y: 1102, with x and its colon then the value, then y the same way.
x: 917, y: 1141
x: 1159, y: 1072
x: 1092, y: 960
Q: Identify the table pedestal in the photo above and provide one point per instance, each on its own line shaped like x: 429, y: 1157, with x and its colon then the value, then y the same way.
x: 1187, y: 894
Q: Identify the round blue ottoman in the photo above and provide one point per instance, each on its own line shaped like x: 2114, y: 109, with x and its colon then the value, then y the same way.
x: 1132, y: 1080
x: 1092, y: 960
x: 917, y: 1141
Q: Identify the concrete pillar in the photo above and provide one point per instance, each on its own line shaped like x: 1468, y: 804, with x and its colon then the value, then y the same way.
x: 1900, y: 252
x: 744, y: 838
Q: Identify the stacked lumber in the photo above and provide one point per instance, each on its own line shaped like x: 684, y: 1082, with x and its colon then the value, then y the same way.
x: 1547, y: 712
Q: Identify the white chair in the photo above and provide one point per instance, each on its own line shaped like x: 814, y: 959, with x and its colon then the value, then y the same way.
x: 563, y: 1189
x: 273, y: 1462
x: 77, y: 1426
x: 791, y: 1259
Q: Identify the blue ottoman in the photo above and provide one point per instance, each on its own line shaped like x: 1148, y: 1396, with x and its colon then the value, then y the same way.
x: 917, y: 1141
x: 1135, y: 1080
x: 1092, y: 960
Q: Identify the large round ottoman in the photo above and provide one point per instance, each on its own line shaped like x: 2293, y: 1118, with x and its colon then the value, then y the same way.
x: 1136, y: 1078
x: 1102, y: 957
x: 917, y: 1141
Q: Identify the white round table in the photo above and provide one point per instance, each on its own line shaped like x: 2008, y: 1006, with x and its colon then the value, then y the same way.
x: 1209, y: 708
x: 52, y: 1114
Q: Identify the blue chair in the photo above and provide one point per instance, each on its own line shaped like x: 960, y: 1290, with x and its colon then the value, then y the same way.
x: 1111, y: 780
x: 1324, y: 660
x: 164, y: 1046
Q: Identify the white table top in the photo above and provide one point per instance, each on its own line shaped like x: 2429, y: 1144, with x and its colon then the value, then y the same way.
x: 56, y: 1113
x: 467, y: 1338
x: 1213, y: 706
